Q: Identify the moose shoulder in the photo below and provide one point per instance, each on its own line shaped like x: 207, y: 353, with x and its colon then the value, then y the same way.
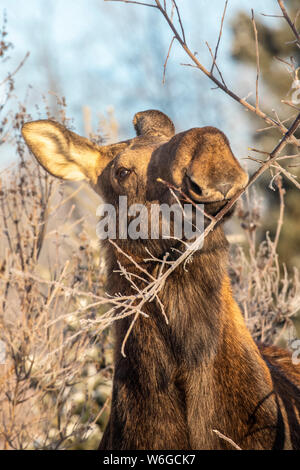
x: 202, y: 371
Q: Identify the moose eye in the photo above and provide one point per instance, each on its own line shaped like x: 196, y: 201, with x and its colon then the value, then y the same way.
x: 122, y: 173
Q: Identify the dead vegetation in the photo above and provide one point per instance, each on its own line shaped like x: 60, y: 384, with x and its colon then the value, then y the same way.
x: 49, y: 381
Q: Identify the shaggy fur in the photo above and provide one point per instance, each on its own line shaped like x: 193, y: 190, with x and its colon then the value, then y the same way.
x: 202, y: 371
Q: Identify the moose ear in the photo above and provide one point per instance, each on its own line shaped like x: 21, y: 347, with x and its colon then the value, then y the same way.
x: 61, y: 152
x: 153, y: 123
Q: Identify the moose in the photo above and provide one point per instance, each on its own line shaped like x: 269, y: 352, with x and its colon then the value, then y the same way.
x: 201, y: 371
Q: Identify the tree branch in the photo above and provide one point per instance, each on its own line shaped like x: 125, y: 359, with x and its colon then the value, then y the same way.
x: 219, y: 38
x: 289, y: 21
x: 201, y: 67
x: 257, y: 58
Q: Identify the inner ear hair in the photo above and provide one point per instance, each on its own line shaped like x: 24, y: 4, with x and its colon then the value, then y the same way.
x: 153, y: 123
x: 61, y: 152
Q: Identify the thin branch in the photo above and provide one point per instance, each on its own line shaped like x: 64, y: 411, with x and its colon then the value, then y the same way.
x: 166, y: 61
x: 257, y: 59
x: 131, y: 1
x: 287, y: 174
x: 271, y: 16
x: 281, y: 212
x: 180, y: 22
x: 289, y: 21
x: 227, y: 439
x: 281, y: 191
x: 201, y: 67
x: 219, y: 38
x: 214, y: 63
x: 128, y: 333
x: 272, y: 127
x: 291, y: 104
x: 259, y: 151
x: 10, y: 75
x: 179, y: 190
x: 285, y: 157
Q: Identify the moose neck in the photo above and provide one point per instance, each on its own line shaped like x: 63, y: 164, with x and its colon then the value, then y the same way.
x: 177, y: 376
x: 193, y: 298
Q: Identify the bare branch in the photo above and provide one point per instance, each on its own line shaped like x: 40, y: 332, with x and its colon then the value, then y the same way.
x: 291, y: 104
x: 227, y: 439
x: 179, y: 190
x: 179, y: 19
x: 131, y: 1
x: 287, y: 174
x: 219, y: 38
x: 10, y: 75
x: 289, y: 21
x: 201, y: 67
x: 257, y: 59
x: 167, y: 58
x: 214, y: 63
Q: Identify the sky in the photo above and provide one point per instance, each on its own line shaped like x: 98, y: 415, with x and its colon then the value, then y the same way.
x: 110, y: 56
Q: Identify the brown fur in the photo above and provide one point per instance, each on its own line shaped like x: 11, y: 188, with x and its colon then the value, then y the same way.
x: 202, y: 371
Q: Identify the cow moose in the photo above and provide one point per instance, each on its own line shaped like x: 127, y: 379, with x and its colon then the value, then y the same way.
x: 201, y: 371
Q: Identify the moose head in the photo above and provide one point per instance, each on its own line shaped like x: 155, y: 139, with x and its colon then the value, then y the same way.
x: 199, y: 161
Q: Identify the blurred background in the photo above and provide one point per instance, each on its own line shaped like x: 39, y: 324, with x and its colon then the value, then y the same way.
x: 106, y: 59
x: 92, y: 65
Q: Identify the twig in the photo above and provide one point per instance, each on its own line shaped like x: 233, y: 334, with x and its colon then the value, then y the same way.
x: 281, y: 191
x: 179, y: 19
x: 10, y: 75
x: 287, y: 174
x: 227, y: 439
x: 271, y: 16
x: 131, y: 1
x: 257, y: 59
x: 257, y: 160
x: 285, y: 157
x: 288, y: 19
x: 130, y: 258
x: 219, y: 39
x: 259, y: 151
x: 291, y: 104
x: 167, y: 58
x: 277, y: 149
x: 171, y: 186
x: 214, y: 63
x: 201, y: 67
x: 128, y: 333
x: 219, y: 84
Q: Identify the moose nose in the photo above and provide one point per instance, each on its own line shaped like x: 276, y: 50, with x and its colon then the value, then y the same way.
x: 193, y: 186
x: 223, y: 188
x: 199, y: 190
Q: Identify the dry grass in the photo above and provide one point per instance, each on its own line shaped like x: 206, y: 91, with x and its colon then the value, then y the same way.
x: 56, y: 376
x: 49, y: 383
x: 268, y: 295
